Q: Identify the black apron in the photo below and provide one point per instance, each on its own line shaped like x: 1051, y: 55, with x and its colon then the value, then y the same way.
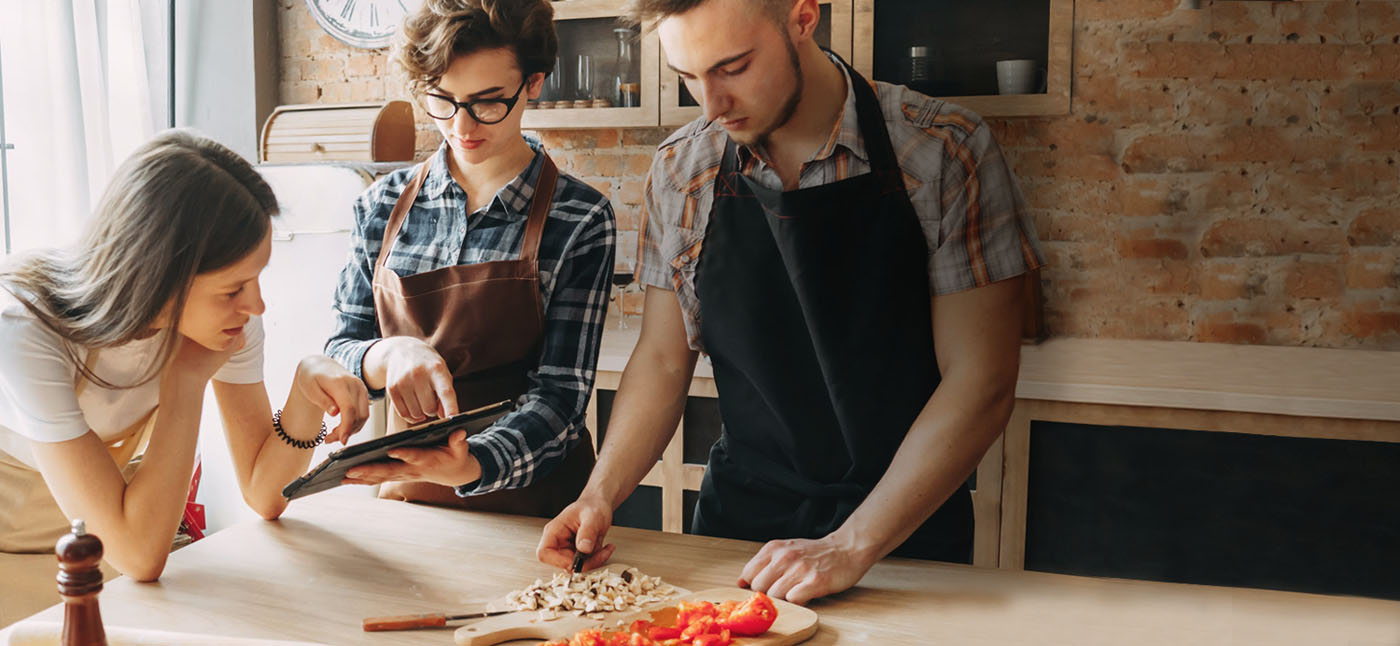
x: 815, y: 311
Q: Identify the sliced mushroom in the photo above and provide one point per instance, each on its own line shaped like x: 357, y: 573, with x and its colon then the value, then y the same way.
x: 595, y: 592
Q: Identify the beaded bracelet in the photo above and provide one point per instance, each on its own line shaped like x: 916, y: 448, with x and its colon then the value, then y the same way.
x: 300, y: 444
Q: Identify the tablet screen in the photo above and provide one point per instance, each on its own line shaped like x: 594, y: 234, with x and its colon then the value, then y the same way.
x: 329, y: 473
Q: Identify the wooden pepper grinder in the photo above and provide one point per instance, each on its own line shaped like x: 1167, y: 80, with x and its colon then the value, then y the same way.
x: 79, y: 581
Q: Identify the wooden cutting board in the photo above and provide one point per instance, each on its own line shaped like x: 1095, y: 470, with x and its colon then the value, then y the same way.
x: 795, y: 623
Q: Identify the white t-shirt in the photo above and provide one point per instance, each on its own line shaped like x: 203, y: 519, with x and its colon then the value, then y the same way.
x: 37, y: 399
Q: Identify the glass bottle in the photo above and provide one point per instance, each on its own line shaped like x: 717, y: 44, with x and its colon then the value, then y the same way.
x: 626, y: 90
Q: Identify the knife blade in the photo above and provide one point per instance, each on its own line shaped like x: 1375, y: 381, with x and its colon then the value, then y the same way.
x: 428, y: 620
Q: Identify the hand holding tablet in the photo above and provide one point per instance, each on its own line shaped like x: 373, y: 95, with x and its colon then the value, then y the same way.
x: 331, y: 472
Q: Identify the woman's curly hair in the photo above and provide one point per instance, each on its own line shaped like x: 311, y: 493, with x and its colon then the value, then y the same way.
x: 442, y: 30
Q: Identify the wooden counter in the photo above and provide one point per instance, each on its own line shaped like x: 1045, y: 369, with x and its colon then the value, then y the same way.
x: 336, y: 558
x: 1313, y: 382
x: 1259, y: 390
x: 1265, y: 390
x: 1316, y: 382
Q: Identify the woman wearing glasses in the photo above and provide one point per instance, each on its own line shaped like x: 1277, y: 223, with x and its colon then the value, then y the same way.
x: 479, y: 275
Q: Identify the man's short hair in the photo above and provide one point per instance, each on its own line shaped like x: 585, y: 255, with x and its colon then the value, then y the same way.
x: 443, y: 30
x: 649, y: 12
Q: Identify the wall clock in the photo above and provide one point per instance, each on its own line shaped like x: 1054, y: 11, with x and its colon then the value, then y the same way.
x: 368, y: 24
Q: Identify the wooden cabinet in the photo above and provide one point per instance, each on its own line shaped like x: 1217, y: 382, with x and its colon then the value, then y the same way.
x: 587, y: 72
x: 1208, y: 497
x: 959, y: 45
x: 678, y: 107
x: 1342, y: 402
x: 1137, y: 444
x: 945, y: 48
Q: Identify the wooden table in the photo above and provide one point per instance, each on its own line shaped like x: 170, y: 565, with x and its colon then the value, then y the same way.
x: 336, y: 558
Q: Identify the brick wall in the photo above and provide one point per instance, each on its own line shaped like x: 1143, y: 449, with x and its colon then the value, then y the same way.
x: 1227, y: 175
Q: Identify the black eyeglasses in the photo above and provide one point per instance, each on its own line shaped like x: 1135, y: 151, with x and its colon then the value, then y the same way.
x: 484, y: 111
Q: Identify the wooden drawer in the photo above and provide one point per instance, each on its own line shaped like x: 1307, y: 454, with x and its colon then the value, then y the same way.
x: 365, y: 132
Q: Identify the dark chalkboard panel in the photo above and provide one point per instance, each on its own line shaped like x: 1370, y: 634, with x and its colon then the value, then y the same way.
x: 642, y: 509
x: 702, y: 425
x: 1215, y: 508
x: 702, y: 428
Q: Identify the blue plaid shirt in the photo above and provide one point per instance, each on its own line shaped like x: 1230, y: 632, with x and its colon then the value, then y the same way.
x: 576, y: 264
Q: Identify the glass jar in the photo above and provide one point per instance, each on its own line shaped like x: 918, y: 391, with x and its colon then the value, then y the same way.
x: 918, y: 66
x: 626, y: 86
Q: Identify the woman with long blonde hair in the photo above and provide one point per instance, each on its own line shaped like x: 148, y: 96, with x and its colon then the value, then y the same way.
x: 109, y: 347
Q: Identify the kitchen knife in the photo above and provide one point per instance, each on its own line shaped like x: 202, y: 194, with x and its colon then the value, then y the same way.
x: 430, y: 620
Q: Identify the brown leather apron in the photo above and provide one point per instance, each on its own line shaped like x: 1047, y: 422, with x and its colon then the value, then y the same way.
x: 486, y: 320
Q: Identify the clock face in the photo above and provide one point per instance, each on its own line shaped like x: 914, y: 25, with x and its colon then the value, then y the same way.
x: 369, y: 24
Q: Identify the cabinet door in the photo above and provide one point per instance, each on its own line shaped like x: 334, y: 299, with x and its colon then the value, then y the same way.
x: 591, y: 70
x: 960, y: 45
x: 678, y: 107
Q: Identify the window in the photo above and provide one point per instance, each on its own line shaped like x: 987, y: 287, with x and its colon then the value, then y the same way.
x: 5, y: 147
x: 78, y: 93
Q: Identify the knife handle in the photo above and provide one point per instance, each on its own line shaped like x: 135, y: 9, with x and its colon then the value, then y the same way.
x: 405, y: 622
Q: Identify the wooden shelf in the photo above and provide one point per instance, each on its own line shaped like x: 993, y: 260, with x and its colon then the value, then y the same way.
x: 1058, y: 71
x: 603, y: 51
x: 849, y: 31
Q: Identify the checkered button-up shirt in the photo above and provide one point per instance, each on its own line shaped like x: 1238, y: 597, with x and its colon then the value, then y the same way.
x: 576, y: 264
x: 974, y: 218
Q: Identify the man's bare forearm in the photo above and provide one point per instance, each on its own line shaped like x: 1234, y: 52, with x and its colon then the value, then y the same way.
x: 943, y: 447
x: 645, y: 413
x: 978, y: 336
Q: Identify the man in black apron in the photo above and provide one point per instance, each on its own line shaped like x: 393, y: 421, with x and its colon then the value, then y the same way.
x: 855, y: 402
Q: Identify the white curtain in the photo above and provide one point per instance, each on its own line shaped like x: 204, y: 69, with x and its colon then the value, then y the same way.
x: 78, y: 86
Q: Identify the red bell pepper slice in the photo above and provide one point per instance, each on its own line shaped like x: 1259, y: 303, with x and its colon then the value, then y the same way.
x: 752, y: 617
x: 658, y: 633
x: 713, y: 639
x: 688, y: 612
x: 698, y: 626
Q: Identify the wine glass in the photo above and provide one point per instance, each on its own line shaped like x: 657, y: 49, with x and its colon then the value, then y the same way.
x: 623, y: 276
